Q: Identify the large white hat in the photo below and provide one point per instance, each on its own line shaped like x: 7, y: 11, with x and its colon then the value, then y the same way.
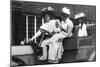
x: 66, y: 10
x: 79, y: 15
x: 49, y: 8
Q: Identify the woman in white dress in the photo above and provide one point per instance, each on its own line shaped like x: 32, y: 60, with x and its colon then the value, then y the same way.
x: 50, y: 27
x: 82, y: 27
x: 56, y: 52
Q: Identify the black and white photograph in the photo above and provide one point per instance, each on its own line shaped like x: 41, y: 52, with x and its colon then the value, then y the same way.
x: 45, y: 33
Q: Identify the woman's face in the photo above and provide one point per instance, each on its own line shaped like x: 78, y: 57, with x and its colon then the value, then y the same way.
x: 80, y: 20
x: 64, y: 16
x: 47, y: 17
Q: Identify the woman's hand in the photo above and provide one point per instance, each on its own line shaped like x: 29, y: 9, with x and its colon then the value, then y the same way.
x: 30, y: 40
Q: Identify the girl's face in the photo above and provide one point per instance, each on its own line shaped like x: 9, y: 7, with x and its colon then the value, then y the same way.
x: 47, y: 18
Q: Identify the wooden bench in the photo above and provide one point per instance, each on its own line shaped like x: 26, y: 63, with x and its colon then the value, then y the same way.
x: 81, y: 48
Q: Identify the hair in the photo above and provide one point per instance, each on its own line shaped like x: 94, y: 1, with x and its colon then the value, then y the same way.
x: 83, y: 20
x: 64, y: 14
x: 59, y: 18
x: 50, y: 13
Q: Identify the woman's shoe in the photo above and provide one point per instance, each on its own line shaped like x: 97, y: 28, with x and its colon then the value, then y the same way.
x: 42, y: 58
x: 53, y: 61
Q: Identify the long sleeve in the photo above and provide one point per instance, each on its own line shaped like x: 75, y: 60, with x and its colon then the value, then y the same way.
x: 37, y: 35
x: 67, y: 27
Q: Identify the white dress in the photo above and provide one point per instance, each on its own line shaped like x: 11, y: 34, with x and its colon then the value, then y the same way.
x: 82, y: 31
x: 56, y: 50
x: 52, y: 27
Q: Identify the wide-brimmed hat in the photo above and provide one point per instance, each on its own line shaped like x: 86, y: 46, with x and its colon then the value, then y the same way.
x: 66, y: 10
x: 49, y: 10
x: 79, y: 15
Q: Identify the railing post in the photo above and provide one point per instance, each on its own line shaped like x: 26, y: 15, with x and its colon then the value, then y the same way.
x: 26, y: 29
x: 42, y: 20
x: 35, y: 27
